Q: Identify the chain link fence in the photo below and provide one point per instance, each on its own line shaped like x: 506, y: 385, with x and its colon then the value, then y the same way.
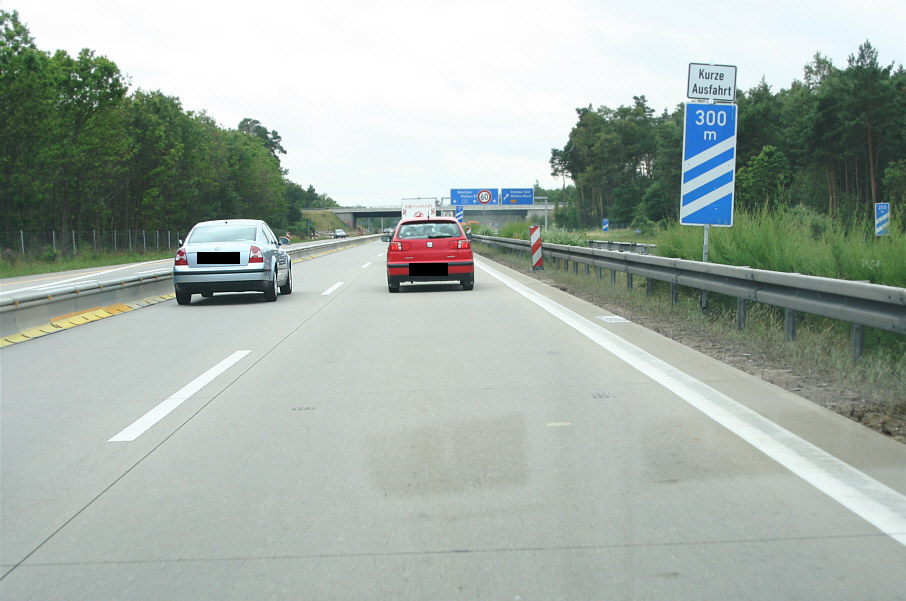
x: 25, y: 243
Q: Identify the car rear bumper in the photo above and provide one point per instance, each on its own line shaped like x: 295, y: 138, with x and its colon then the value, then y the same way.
x: 212, y: 280
x: 457, y: 271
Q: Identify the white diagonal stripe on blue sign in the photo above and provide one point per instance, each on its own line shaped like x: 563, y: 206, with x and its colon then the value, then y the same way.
x: 707, y: 155
x: 708, y: 176
x: 707, y: 199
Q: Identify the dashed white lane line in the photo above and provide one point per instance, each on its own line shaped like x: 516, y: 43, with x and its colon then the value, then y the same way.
x: 330, y: 290
x: 142, y: 424
x: 366, y: 265
x: 871, y: 500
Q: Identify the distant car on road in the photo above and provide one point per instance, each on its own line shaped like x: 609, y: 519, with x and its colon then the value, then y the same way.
x: 429, y: 250
x: 232, y: 255
x: 339, y: 233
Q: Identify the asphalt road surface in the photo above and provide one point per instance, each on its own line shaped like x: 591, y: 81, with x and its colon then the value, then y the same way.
x: 509, y: 442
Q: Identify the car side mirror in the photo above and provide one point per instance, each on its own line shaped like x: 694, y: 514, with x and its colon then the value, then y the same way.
x: 180, y: 242
x: 284, y: 240
x: 385, y: 238
x: 468, y: 236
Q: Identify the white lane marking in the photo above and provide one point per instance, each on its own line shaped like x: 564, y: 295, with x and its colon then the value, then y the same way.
x: 613, y: 319
x: 366, y: 265
x: 142, y: 424
x: 330, y: 290
x: 871, y: 500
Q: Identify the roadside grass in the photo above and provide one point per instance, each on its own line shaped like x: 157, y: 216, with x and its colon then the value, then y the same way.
x: 796, y: 240
x: 14, y: 265
x: 818, y: 364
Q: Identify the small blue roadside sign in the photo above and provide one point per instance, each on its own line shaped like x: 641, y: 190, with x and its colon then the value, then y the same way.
x: 709, y: 164
x: 473, y: 196
x: 605, y: 225
x: 459, y: 213
x: 517, y: 196
x: 882, y: 219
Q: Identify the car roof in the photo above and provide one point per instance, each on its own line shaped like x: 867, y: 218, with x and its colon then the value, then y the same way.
x: 230, y: 222
x: 428, y: 219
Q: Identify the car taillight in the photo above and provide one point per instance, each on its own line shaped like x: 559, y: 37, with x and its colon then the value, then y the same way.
x: 459, y: 244
x: 401, y: 245
x: 255, y: 255
x: 181, y: 257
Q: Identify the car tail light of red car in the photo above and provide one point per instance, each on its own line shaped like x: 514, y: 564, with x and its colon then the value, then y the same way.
x: 459, y: 244
x: 401, y: 245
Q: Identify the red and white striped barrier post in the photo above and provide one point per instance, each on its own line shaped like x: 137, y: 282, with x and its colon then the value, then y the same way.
x: 537, y: 257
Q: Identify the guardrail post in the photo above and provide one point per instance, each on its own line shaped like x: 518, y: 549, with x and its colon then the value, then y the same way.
x: 649, y: 286
x: 613, y: 277
x: 740, y: 313
x: 587, y: 268
x: 600, y: 272
x: 628, y: 281
x: 674, y: 293
x: 790, y: 324
x: 22, y: 241
x: 858, y: 341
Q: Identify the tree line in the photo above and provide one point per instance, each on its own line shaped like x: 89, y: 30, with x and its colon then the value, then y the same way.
x: 834, y: 141
x: 79, y: 151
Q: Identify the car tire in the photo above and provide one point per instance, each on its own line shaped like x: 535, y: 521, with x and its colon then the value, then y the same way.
x: 270, y: 294
x: 287, y: 288
x: 468, y: 286
x: 391, y: 287
x: 183, y: 298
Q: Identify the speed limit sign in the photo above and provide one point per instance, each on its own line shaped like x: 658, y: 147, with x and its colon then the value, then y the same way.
x: 485, y: 196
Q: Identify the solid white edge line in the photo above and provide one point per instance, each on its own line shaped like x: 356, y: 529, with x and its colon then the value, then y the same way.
x: 871, y: 500
x: 330, y: 290
x: 142, y: 424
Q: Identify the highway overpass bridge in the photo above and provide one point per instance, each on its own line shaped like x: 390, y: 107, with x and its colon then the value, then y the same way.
x: 493, y: 215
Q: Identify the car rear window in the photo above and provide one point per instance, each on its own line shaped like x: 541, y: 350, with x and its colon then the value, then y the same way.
x: 224, y: 233
x: 429, y: 230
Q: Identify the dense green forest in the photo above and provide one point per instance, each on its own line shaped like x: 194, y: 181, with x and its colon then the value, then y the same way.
x: 78, y: 151
x: 834, y: 142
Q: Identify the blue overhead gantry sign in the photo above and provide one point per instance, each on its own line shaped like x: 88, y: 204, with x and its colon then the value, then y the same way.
x: 709, y: 164
x: 473, y: 196
x: 517, y: 196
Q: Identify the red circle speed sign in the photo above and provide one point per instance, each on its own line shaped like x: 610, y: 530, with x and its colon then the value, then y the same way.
x: 484, y: 197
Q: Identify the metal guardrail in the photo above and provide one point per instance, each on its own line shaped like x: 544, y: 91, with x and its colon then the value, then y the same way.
x: 858, y: 303
x: 633, y: 247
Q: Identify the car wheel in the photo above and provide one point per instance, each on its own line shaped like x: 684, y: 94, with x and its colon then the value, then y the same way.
x: 392, y: 287
x: 183, y: 298
x: 287, y: 288
x: 468, y: 285
x: 270, y: 294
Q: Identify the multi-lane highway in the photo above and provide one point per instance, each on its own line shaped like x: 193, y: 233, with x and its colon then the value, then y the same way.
x: 509, y: 442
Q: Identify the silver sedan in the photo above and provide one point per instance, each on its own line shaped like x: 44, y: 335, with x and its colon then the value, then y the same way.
x: 233, y: 255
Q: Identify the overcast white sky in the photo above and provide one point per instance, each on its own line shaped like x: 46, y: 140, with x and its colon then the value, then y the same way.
x: 378, y: 100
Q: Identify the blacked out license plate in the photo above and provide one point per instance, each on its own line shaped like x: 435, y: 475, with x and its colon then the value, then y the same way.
x: 428, y: 269
x: 214, y: 258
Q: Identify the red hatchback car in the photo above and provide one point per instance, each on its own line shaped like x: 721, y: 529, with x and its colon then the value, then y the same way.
x: 429, y: 250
